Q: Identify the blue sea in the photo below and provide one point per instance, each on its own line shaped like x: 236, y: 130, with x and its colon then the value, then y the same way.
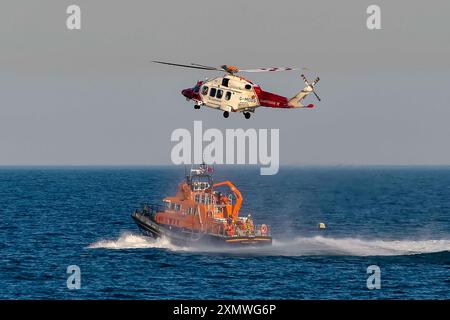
x: 397, y: 218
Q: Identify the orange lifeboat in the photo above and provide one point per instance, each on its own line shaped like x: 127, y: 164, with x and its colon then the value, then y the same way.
x: 202, y: 213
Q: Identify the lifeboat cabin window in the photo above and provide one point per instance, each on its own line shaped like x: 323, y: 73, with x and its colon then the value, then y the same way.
x: 168, y: 205
x: 204, y: 90
x: 219, y: 94
x: 228, y: 95
x: 212, y: 92
x: 199, y: 186
x: 200, y: 183
x: 225, y: 82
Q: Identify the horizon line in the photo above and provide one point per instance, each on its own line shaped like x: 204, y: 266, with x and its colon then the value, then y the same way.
x: 229, y: 165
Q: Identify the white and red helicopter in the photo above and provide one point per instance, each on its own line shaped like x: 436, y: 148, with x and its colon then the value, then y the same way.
x: 232, y: 93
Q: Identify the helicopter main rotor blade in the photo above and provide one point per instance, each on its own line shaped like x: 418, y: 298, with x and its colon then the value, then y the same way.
x: 186, y: 65
x: 272, y: 69
x: 202, y: 65
x: 229, y: 69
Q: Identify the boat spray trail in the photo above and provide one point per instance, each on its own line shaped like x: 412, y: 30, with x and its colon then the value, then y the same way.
x: 299, y: 246
x: 128, y: 240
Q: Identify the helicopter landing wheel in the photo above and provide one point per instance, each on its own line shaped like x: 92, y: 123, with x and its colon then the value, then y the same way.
x: 196, y: 106
x: 247, y: 115
x: 226, y: 114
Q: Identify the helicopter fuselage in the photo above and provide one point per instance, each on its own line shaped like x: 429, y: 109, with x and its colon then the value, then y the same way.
x: 232, y: 93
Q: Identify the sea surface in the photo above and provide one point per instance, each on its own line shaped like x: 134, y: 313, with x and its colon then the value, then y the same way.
x: 397, y: 218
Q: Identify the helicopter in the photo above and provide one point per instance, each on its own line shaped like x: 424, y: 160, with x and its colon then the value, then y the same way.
x: 234, y: 93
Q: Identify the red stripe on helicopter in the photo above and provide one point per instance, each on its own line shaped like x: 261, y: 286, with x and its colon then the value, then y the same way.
x: 271, y: 100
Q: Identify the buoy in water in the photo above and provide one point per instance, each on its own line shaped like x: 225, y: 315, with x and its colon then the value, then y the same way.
x: 322, y: 225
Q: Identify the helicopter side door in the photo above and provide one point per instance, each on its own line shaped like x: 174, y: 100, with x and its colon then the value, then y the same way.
x: 230, y: 95
x: 230, y: 100
x: 243, y: 95
x: 247, y: 98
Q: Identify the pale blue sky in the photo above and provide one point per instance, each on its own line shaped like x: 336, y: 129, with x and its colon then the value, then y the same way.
x: 93, y: 97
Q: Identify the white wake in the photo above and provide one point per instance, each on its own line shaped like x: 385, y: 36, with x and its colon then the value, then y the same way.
x: 128, y: 240
x: 320, y: 245
x: 298, y: 246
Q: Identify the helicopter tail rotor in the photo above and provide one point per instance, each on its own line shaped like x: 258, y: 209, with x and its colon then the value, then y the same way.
x: 295, y: 102
x: 312, y: 85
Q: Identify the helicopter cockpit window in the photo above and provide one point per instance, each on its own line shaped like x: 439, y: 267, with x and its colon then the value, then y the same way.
x: 219, y: 94
x: 196, y: 88
x: 204, y: 90
x: 225, y: 82
x: 248, y: 87
x: 228, y: 95
x: 212, y: 92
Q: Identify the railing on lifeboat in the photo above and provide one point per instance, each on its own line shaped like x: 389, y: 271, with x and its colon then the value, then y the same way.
x: 258, y: 230
x: 262, y: 230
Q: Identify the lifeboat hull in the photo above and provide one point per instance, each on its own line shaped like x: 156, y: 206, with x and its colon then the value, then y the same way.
x: 184, y: 237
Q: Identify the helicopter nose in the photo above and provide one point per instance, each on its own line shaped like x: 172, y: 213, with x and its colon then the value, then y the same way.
x: 187, y: 93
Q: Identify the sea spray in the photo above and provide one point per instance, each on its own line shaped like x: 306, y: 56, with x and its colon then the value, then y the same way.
x: 128, y: 240
x: 297, y: 246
